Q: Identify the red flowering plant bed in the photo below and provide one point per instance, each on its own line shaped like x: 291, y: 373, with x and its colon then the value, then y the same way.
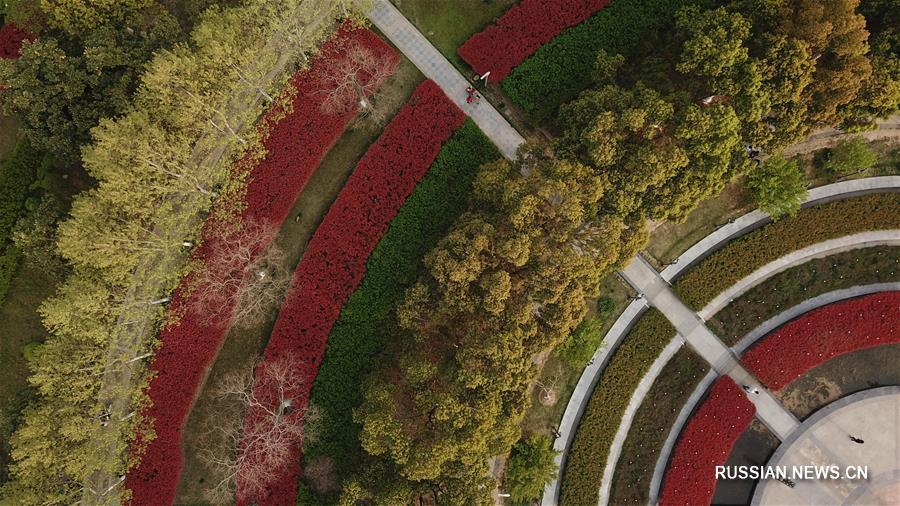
x: 520, y: 32
x: 296, y: 142
x: 706, y: 443
x: 11, y: 38
x: 822, y: 334
x: 334, y: 262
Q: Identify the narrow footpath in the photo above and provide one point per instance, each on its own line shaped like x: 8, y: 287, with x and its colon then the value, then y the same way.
x: 435, y: 66
x: 658, y: 293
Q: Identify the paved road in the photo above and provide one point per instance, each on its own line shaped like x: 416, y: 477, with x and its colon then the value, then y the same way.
x: 644, y: 278
x: 432, y: 63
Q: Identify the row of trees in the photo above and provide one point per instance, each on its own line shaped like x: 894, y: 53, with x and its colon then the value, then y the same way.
x: 657, y: 135
x: 159, y: 167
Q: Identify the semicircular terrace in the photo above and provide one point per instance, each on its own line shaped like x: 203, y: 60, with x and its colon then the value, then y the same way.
x: 698, y: 252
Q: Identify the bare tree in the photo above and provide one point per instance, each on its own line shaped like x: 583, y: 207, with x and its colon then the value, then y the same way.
x: 254, y: 438
x: 319, y: 474
x: 242, y: 277
x: 355, y: 78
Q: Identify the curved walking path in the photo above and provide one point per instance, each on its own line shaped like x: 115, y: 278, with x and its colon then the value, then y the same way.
x: 888, y: 128
x: 643, y: 277
x: 693, y: 255
x: 435, y: 66
x: 745, y: 342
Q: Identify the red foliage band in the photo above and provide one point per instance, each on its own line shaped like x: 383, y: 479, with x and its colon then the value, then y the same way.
x: 294, y: 148
x: 822, y: 334
x: 521, y: 31
x: 334, y: 262
x: 706, y: 443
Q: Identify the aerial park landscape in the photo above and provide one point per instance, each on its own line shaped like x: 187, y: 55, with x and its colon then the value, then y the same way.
x: 555, y: 252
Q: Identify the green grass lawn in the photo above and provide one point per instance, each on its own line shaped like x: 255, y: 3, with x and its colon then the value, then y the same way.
x: 449, y: 23
x: 9, y: 128
x: 20, y: 325
x: 243, y: 346
x: 562, y: 377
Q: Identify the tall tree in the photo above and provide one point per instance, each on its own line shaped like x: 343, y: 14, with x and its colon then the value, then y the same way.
x: 837, y: 38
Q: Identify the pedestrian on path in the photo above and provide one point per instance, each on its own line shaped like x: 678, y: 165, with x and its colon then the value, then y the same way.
x: 856, y: 440
x: 750, y: 390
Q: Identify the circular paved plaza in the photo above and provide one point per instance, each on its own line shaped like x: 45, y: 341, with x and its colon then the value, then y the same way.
x: 872, y: 417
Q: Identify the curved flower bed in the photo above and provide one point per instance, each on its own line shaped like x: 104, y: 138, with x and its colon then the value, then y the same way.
x: 823, y: 334
x: 812, y: 225
x: 334, y: 262
x: 362, y: 333
x: 11, y: 38
x: 521, y: 31
x: 706, y: 443
x: 294, y: 148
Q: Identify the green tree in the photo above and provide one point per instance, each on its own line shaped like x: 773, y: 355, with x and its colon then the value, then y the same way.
x: 61, y: 87
x: 850, y: 156
x: 581, y: 344
x: 880, y: 94
x: 779, y: 186
x: 507, y: 282
x: 531, y: 467
x: 75, y: 17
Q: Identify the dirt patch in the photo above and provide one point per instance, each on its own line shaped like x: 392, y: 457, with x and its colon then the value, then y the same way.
x: 842, y: 376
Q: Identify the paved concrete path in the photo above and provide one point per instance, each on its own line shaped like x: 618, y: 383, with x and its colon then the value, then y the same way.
x: 643, y: 277
x: 751, y: 337
x: 824, y: 439
x: 433, y: 64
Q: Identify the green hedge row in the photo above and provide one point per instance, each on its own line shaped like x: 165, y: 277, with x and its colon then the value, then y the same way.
x: 364, y: 326
x: 651, y: 425
x: 17, y: 175
x: 602, y: 415
x: 562, y: 68
x: 812, y: 225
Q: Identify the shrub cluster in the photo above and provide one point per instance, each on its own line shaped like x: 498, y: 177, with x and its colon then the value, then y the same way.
x: 521, y: 31
x: 362, y: 331
x: 295, y: 146
x: 11, y: 39
x: 822, y: 334
x: 334, y: 262
x: 561, y: 69
x: 706, y: 443
x: 601, y: 418
x: 17, y: 173
x: 819, y: 223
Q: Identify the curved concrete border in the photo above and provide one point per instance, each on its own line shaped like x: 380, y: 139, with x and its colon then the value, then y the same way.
x: 751, y: 337
x: 823, y: 249
x: 815, y: 419
x: 703, y: 248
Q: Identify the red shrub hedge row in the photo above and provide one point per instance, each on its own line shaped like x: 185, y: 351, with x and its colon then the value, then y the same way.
x: 335, y: 259
x: 706, y: 443
x: 11, y: 39
x: 295, y: 146
x: 822, y: 334
x: 521, y: 31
